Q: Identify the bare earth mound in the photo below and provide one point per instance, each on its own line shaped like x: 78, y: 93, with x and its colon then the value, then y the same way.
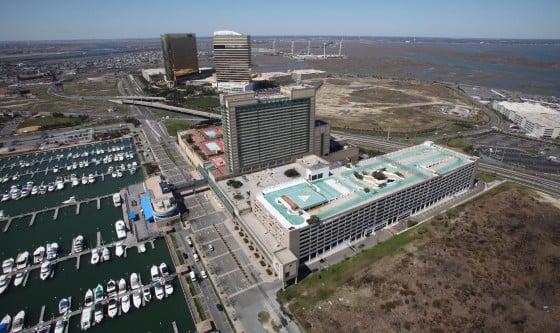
x: 402, y: 105
x: 492, y: 266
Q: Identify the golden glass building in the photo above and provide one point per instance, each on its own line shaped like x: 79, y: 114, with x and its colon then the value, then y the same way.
x: 180, y: 57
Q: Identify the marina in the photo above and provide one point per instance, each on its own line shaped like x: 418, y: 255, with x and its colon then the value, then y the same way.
x: 87, y: 212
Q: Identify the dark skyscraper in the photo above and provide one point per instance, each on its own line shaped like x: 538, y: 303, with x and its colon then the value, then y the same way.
x: 180, y: 57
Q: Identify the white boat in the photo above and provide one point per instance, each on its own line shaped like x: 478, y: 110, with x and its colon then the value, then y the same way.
x: 6, y: 196
x: 70, y: 200
x: 84, y: 180
x: 154, y: 273
x: 120, y: 227
x: 4, y: 282
x: 98, y: 294
x: 122, y: 286
x: 125, y: 303
x: 117, y: 199
x: 24, y: 192
x: 113, y: 308
x: 134, y: 281
x: 74, y: 179
x: 20, y: 276
x: 164, y: 270
x: 168, y: 289
x: 78, y: 244
x: 94, y: 256
x: 137, y: 298
x: 19, y: 320
x: 22, y: 260
x: 63, y: 306
x: 60, y: 326
x: 88, y: 299
x: 42, y: 189
x: 52, y: 251
x: 147, y: 295
x: 50, y: 187
x: 119, y: 249
x: 91, y: 178
x: 114, y: 174
x: 85, y: 321
x: 106, y: 254
x: 119, y: 174
x: 158, y: 291
x: 5, y: 323
x: 46, y: 270
x: 38, y: 255
x: 98, y: 313
x: 34, y: 190
x: 111, y: 289
x: 59, y: 184
x: 8, y: 265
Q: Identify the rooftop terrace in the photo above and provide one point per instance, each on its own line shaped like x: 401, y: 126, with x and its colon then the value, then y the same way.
x: 294, y: 202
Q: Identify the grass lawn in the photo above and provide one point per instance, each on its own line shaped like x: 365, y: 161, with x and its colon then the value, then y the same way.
x: 204, y: 102
x: 51, y: 122
x: 176, y: 126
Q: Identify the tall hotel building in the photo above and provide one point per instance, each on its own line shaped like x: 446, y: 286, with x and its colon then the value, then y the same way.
x: 232, y: 56
x: 265, y: 132
x: 180, y: 57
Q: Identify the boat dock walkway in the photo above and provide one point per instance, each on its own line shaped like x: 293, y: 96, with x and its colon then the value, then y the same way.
x: 55, y: 210
x: 128, y: 242
x: 105, y: 301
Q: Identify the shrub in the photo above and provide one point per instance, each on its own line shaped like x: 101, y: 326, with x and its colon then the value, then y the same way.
x: 366, y: 189
x: 358, y: 175
x: 291, y: 173
x: 313, y: 219
x: 234, y: 183
x: 379, y: 175
x: 238, y: 196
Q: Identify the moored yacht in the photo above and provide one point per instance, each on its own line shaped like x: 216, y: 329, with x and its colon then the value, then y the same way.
x: 113, y: 308
x: 8, y: 265
x: 52, y: 250
x: 134, y: 281
x: 4, y: 282
x: 88, y: 298
x: 22, y: 260
x: 125, y: 303
x: 137, y: 298
x: 106, y: 254
x: 164, y: 270
x: 117, y: 199
x: 17, y: 323
x: 98, y: 313
x: 84, y: 179
x: 158, y: 291
x: 78, y: 244
x: 98, y: 294
x: 119, y: 249
x: 147, y: 295
x: 154, y: 273
x: 85, y: 321
x: 5, y: 323
x: 91, y: 178
x: 69, y: 201
x: 94, y: 256
x: 38, y: 255
x: 168, y: 289
x: 122, y: 286
x: 46, y: 270
x: 120, y: 228
x: 20, y: 276
x: 60, y: 326
x: 63, y: 306
x: 111, y: 288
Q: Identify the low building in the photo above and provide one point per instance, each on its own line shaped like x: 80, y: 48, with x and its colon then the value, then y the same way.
x: 326, y: 208
x: 205, y: 147
x: 153, y: 74
x: 537, y: 120
x: 162, y: 204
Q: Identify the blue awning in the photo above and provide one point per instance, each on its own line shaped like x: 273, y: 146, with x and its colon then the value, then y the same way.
x: 132, y: 215
x: 147, y: 208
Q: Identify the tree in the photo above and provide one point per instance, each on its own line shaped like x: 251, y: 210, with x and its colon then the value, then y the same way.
x: 313, y: 219
x: 291, y: 173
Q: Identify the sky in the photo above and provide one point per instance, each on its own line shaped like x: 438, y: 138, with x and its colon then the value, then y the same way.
x: 104, y: 19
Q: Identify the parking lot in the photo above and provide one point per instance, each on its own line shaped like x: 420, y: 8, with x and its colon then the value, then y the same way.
x: 518, y: 151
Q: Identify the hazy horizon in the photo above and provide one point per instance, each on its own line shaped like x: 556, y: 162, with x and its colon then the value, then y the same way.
x: 34, y: 20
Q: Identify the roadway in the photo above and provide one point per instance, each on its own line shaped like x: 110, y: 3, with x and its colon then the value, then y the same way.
x: 530, y: 178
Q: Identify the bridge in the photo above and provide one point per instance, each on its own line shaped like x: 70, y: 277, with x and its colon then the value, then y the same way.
x: 156, y: 105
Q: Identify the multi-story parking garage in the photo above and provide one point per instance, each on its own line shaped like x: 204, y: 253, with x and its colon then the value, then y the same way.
x: 328, y: 208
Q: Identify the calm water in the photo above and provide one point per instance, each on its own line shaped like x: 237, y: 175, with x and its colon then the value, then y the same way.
x: 157, y: 316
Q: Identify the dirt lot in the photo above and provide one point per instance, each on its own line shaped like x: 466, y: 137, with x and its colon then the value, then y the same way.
x: 492, y: 265
x: 402, y: 105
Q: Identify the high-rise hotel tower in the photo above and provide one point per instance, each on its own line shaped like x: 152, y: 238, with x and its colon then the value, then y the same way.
x: 232, y: 56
